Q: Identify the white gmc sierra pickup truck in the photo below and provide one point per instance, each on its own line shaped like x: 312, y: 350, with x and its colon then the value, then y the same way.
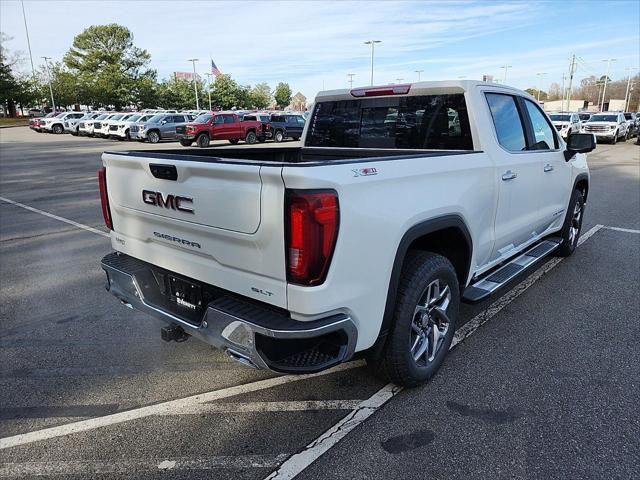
x: 404, y: 201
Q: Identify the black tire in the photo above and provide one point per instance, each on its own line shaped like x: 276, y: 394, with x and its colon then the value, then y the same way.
x: 203, y: 140
x: 396, y: 363
x: 296, y: 138
x: 186, y: 143
x: 75, y: 133
x: 234, y: 141
x: 57, y: 129
x: 127, y: 136
x: 262, y: 139
x: 615, y: 138
x: 251, y: 138
x: 153, y: 136
x: 572, y: 226
x: 278, y: 136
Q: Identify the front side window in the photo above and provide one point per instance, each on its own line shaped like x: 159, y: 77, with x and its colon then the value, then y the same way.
x: 507, y: 121
x: 228, y: 119
x: 414, y: 122
x: 218, y: 120
x: 542, y: 131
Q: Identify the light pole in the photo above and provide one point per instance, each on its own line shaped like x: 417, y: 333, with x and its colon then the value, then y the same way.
x: 351, y: 75
x: 626, y: 95
x: 46, y: 64
x: 419, y: 72
x: 24, y: 17
x: 209, y: 89
x: 372, y: 43
x: 195, y: 85
x: 506, y: 67
x: 540, y: 75
x: 606, y: 79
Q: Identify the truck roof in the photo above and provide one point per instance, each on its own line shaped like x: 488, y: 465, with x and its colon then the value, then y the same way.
x: 417, y: 88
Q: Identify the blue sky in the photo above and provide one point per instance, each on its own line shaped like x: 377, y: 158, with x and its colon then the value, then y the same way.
x: 311, y: 44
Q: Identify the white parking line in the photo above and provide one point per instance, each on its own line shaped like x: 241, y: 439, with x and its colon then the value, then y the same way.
x: 298, y: 462
x: 618, y: 229
x: 161, y: 408
x: 293, y: 466
x: 56, y: 217
x: 295, y: 406
x: 88, y: 469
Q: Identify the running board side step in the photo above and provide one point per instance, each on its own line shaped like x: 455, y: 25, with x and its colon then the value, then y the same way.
x: 484, y: 287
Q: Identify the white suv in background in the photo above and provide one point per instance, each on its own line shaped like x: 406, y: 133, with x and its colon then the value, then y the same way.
x: 120, y: 128
x: 609, y: 126
x: 87, y: 127
x: 72, y: 125
x: 566, y: 123
x: 103, y: 131
x: 56, y: 124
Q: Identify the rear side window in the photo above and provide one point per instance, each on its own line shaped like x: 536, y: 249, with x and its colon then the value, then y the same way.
x: 417, y: 122
x: 228, y: 119
x: 507, y: 121
x: 277, y: 118
x: 542, y: 130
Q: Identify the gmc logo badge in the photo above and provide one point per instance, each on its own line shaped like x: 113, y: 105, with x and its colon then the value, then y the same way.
x: 174, y: 202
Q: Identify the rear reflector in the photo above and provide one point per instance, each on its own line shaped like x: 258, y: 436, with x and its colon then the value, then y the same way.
x: 104, y: 199
x: 401, y: 89
x: 312, y: 219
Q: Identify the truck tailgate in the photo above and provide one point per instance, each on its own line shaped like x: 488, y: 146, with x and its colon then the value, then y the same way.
x: 220, y: 223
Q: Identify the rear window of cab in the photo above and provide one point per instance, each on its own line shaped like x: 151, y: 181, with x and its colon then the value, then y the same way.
x: 438, y: 122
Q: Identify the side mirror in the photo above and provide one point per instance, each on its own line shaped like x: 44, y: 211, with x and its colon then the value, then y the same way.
x: 579, y: 143
x: 163, y: 122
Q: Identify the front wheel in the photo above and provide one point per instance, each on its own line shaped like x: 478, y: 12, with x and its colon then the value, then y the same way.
x: 58, y: 129
x: 572, y: 226
x: 615, y: 139
x: 153, y: 136
x: 424, y: 320
x: 250, y: 138
x: 203, y: 140
x: 185, y: 143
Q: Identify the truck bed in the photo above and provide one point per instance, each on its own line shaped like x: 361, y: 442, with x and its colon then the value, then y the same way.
x: 303, y: 156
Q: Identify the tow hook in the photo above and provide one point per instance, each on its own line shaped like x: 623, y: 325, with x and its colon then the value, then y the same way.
x: 173, y: 333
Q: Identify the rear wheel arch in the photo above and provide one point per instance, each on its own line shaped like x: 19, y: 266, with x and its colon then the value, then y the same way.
x: 447, y: 236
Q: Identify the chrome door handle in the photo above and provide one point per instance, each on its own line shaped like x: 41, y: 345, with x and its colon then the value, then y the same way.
x: 509, y: 175
x: 548, y: 168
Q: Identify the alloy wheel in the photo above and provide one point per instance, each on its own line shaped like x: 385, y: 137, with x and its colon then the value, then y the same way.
x: 430, y: 323
x: 576, y: 222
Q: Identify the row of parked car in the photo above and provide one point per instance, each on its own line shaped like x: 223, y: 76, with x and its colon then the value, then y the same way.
x: 607, y: 126
x: 199, y: 127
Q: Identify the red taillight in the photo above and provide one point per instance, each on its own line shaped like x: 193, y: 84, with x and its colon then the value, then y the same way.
x: 104, y: 199
x: 312, y: 229
x: 402, y: 89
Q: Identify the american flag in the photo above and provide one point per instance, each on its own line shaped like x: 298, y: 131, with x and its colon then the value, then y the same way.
x: 214, y: 70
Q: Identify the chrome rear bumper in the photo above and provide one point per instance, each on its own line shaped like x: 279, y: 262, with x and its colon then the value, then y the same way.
x: 254, y: 334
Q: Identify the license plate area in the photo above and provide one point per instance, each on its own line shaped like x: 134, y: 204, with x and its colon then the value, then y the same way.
x: 187, y: 295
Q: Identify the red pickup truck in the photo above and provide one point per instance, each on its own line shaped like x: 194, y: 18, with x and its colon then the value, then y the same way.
x: 222, y: 126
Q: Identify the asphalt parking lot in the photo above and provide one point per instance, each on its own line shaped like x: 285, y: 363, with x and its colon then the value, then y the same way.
x: 543, y: 382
